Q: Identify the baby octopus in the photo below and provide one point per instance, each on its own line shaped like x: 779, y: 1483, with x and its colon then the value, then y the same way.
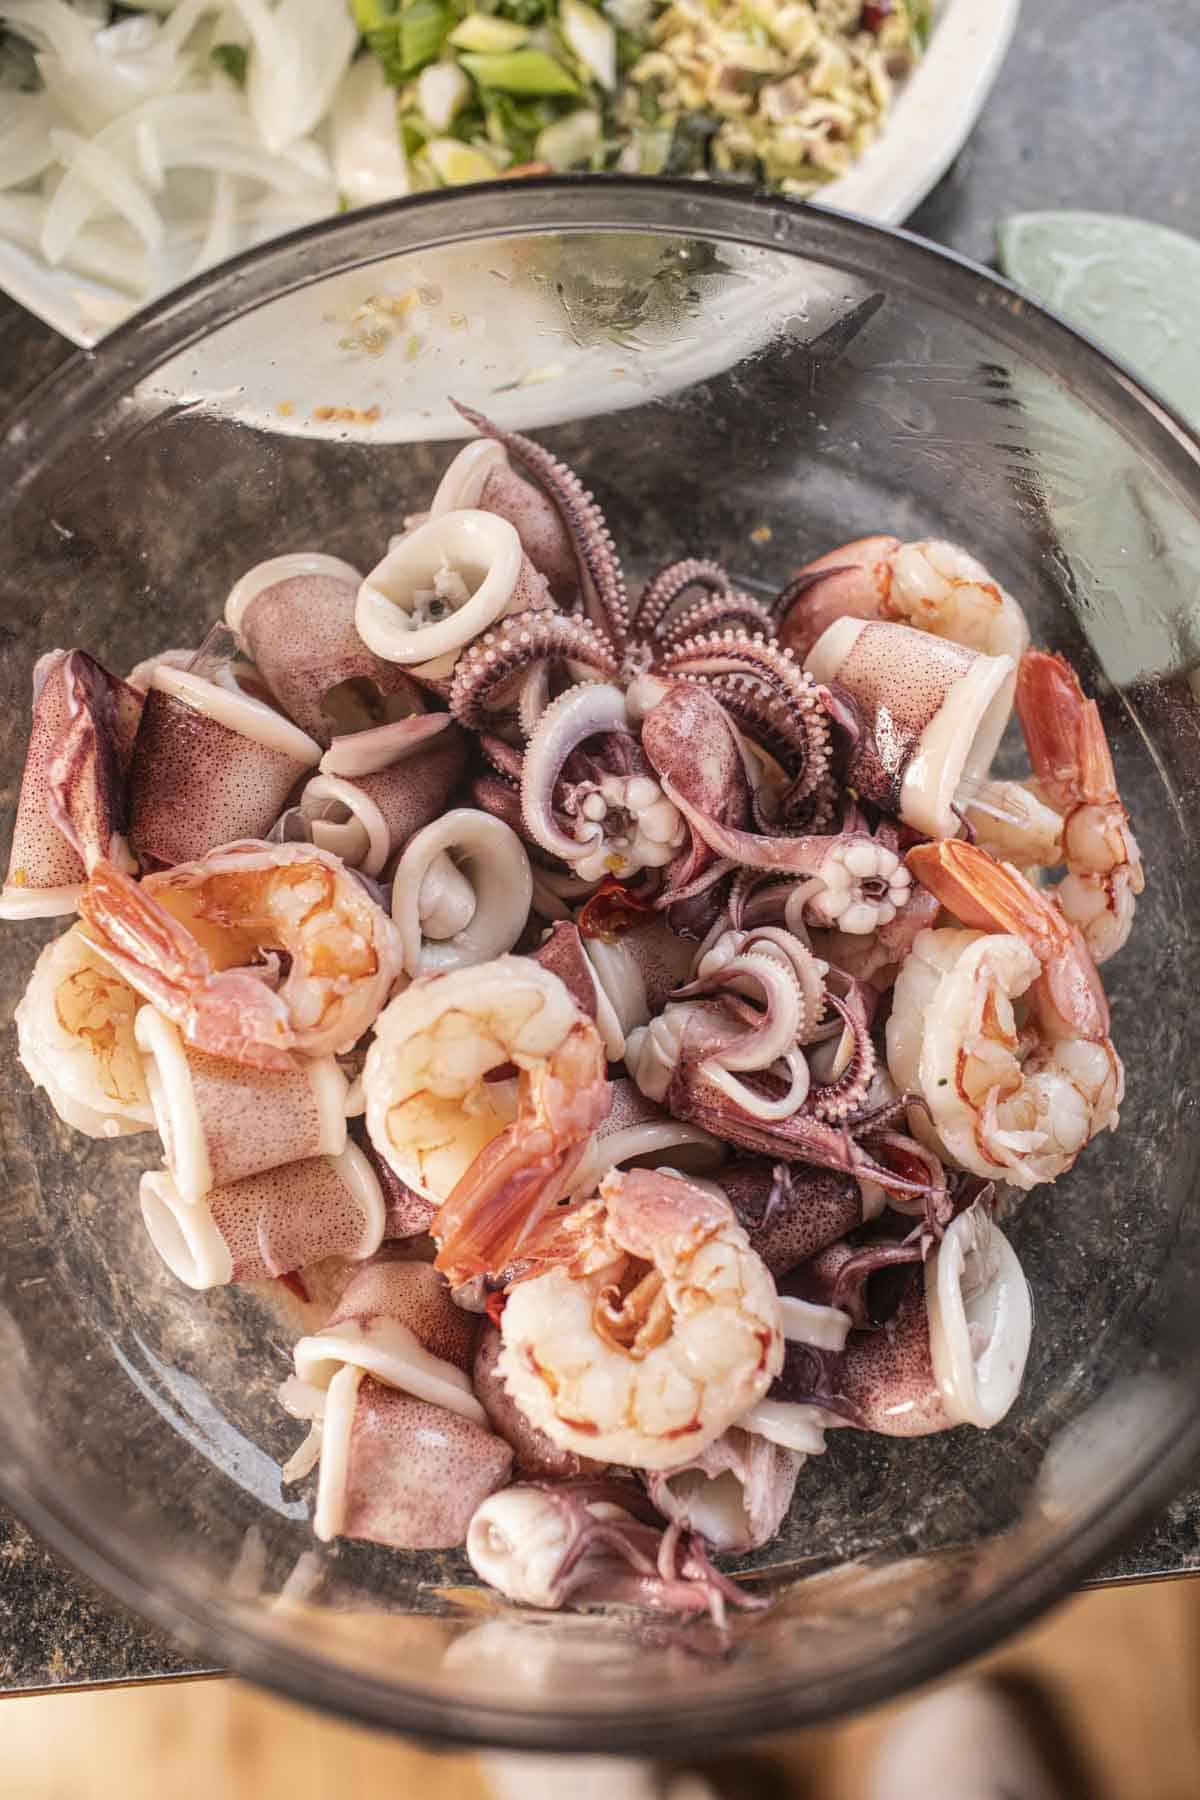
x: 615, y: 1007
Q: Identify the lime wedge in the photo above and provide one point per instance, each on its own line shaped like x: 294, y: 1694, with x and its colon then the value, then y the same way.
x: 1133, y: 286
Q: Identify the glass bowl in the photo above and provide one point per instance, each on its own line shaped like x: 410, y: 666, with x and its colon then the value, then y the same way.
x: 760, y: 382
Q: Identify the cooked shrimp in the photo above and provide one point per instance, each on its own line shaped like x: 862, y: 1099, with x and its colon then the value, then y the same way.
x: 1011, y: 1099
x: 931, y: 585
x: 75, y: 1037
x: 497, y: 1153
x: 203, y: 942
x: 1013, y: 823
x: 654, y: 1333
x: 1073, y: 772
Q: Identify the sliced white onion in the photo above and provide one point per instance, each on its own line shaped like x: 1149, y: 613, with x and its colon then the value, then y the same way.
x: 593, y: 40
x: 95, y: 178
x: 25, y: 147
x: 368, y: 154
x: 301, y: 49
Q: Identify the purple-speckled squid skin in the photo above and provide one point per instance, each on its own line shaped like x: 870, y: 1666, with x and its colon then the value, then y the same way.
x: 886, y: 1376
x: 535, y: 518
x: 561, y: 951
x: 300, y: 634
x: 407, y: 1214
x: 277, y: 1222
x: 413, y: 790
x: 790, y: 1211
x: 535, y: 1457
x: 895, y: 680
x: 692, y: 743
x: 416, y: 1296
x: 883, y: 1380
x: 838, y: 1275
x: 661, y: 958
x: 74, y: 798
x: 766, y: 1473
x: 492, y: 793
x: 416, y: 1472
x: 252, y: 1119
x: 197, y: 783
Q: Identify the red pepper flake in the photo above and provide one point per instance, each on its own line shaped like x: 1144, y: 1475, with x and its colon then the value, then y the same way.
x: 346, y: 415
x: 874, y: 13
x: 494, y: 1305
x: 613, y: 910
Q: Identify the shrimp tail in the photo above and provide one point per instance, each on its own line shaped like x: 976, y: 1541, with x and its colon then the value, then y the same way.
x: 232, y: 1014
x: 992, y: 896
x: 157, y: 955
x: 492, y: 1215
x: 237, y: 1015
x: 1064, y: 733
x: 987, y: 895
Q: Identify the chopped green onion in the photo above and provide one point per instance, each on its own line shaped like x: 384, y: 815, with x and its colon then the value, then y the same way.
x: 405, y: 41
x: 513, y: 124
x: 521, y: 72
x: 487, y: 35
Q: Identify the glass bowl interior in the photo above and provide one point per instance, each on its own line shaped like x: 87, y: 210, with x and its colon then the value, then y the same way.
x: 734, y: 378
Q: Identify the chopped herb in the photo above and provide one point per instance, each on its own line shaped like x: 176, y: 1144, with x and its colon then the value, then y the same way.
x: 233, y: 59
x: 406, y: 41
x: 785, y: 92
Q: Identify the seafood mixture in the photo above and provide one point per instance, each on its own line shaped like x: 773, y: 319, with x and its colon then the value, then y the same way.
x: 618, y: 1017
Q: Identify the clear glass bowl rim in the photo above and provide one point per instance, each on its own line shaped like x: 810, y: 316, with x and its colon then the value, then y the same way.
x: 77, y: 397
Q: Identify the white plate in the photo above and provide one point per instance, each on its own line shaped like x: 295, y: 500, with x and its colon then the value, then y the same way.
x: 930, y: 122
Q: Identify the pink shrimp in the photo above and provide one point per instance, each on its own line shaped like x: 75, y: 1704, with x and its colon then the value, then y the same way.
x: 1006, y: 1100
x: 203, y: 943
x: 1073, y: 772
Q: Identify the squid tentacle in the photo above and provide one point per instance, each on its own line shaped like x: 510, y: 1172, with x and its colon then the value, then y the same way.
x: 603, y: 581
x: 525, y: 639
x: 670, y: 584
x: 732, y: 610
